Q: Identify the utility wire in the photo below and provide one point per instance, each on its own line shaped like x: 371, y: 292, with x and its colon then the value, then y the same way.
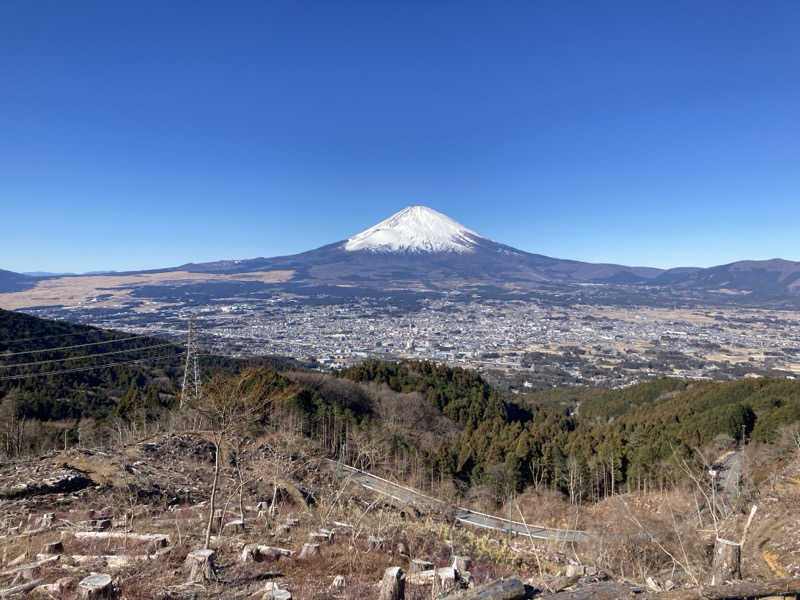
x: 113, y: 364
x: 57, y: 360
x: 52, y: 335
x: 136, y: 337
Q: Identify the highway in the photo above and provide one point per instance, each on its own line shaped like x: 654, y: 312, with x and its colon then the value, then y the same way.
x: 463, y: 515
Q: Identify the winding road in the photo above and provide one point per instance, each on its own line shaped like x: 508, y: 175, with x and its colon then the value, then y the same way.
x: 729, y: 474
x: 463, y: 515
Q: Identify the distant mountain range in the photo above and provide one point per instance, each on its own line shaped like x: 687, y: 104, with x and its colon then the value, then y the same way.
x: 421, y: 249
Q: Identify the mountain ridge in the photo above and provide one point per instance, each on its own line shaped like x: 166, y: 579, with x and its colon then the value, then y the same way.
x: 420, y: 248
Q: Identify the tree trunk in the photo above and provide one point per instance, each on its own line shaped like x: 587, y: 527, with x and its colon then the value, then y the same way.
x: 213, y: 495
x: 726, y: 564
x: 393, y: 584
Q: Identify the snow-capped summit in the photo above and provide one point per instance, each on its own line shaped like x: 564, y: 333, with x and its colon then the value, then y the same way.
x: 415, y: 229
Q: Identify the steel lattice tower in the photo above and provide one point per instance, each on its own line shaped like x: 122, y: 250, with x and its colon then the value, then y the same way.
x: 191, y: 390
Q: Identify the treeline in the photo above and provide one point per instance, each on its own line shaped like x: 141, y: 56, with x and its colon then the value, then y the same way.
x: 619, y: 439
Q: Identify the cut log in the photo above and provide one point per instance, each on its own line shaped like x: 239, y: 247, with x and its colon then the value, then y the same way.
x: 54, y: 590
x: 779, y: 588
x: 30, y: 568
x: 309, y: 551
x: 18, y: 561
x: 18, y: 589
x: 504, y: 589
x: 726, y: 565
x: 393, y: 584
x: 418, y: 565
x: 200, y: 566
x: 608, y: 590
x: 339, y: 583
x: 261, y: 553
x: 159, y: 539
x: 96, y: 585
x: 445, y: 581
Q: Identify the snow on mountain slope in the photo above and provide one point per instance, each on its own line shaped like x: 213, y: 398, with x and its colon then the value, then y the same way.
x: 415, y: 229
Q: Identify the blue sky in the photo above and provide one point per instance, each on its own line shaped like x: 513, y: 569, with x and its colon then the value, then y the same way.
x: 148, y: 134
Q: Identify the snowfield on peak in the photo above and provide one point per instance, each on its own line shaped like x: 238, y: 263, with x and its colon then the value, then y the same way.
x: 415, y: 229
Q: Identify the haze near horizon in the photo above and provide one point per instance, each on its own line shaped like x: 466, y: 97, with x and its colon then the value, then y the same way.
x: 150, y: 135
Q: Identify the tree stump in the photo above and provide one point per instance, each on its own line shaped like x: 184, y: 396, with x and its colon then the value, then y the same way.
x: 323, y: 537
x: 273, y: 591
x: 200, y: 566
x: 393, y: 584
x: 444, y: 582
x: 309, y: 551
x: 418, y: 565
x: 236, y: 526
x: 96, y: 585
x: 100, y: 524
x: 31, y: 571
x: 727, y: 562
x: 462, y: 564
x: 53, y: 548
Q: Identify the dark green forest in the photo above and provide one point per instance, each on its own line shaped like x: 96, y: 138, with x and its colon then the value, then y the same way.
x: 617, y: 439
x: 48, y: 372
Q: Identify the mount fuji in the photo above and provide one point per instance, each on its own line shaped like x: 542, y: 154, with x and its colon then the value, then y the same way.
x: 421, y: 250
x: 416, y: 229
x: 419, y: 247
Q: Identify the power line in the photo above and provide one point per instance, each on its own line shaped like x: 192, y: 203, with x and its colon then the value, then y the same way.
x: 43, y: 337
x: 113, y: 364
x: 44, y: 362
x: 128, y: 339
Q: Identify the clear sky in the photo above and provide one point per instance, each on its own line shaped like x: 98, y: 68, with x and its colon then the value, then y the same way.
x: 150, y: 133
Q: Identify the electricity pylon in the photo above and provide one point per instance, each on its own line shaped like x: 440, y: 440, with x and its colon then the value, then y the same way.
x: 191, y: 390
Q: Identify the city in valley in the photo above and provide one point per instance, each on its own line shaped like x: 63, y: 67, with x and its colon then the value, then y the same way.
x: 523, y: 343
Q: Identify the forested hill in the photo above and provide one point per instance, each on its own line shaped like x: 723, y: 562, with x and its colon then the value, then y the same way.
x: 55, y: 370
x: 617, y: 437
